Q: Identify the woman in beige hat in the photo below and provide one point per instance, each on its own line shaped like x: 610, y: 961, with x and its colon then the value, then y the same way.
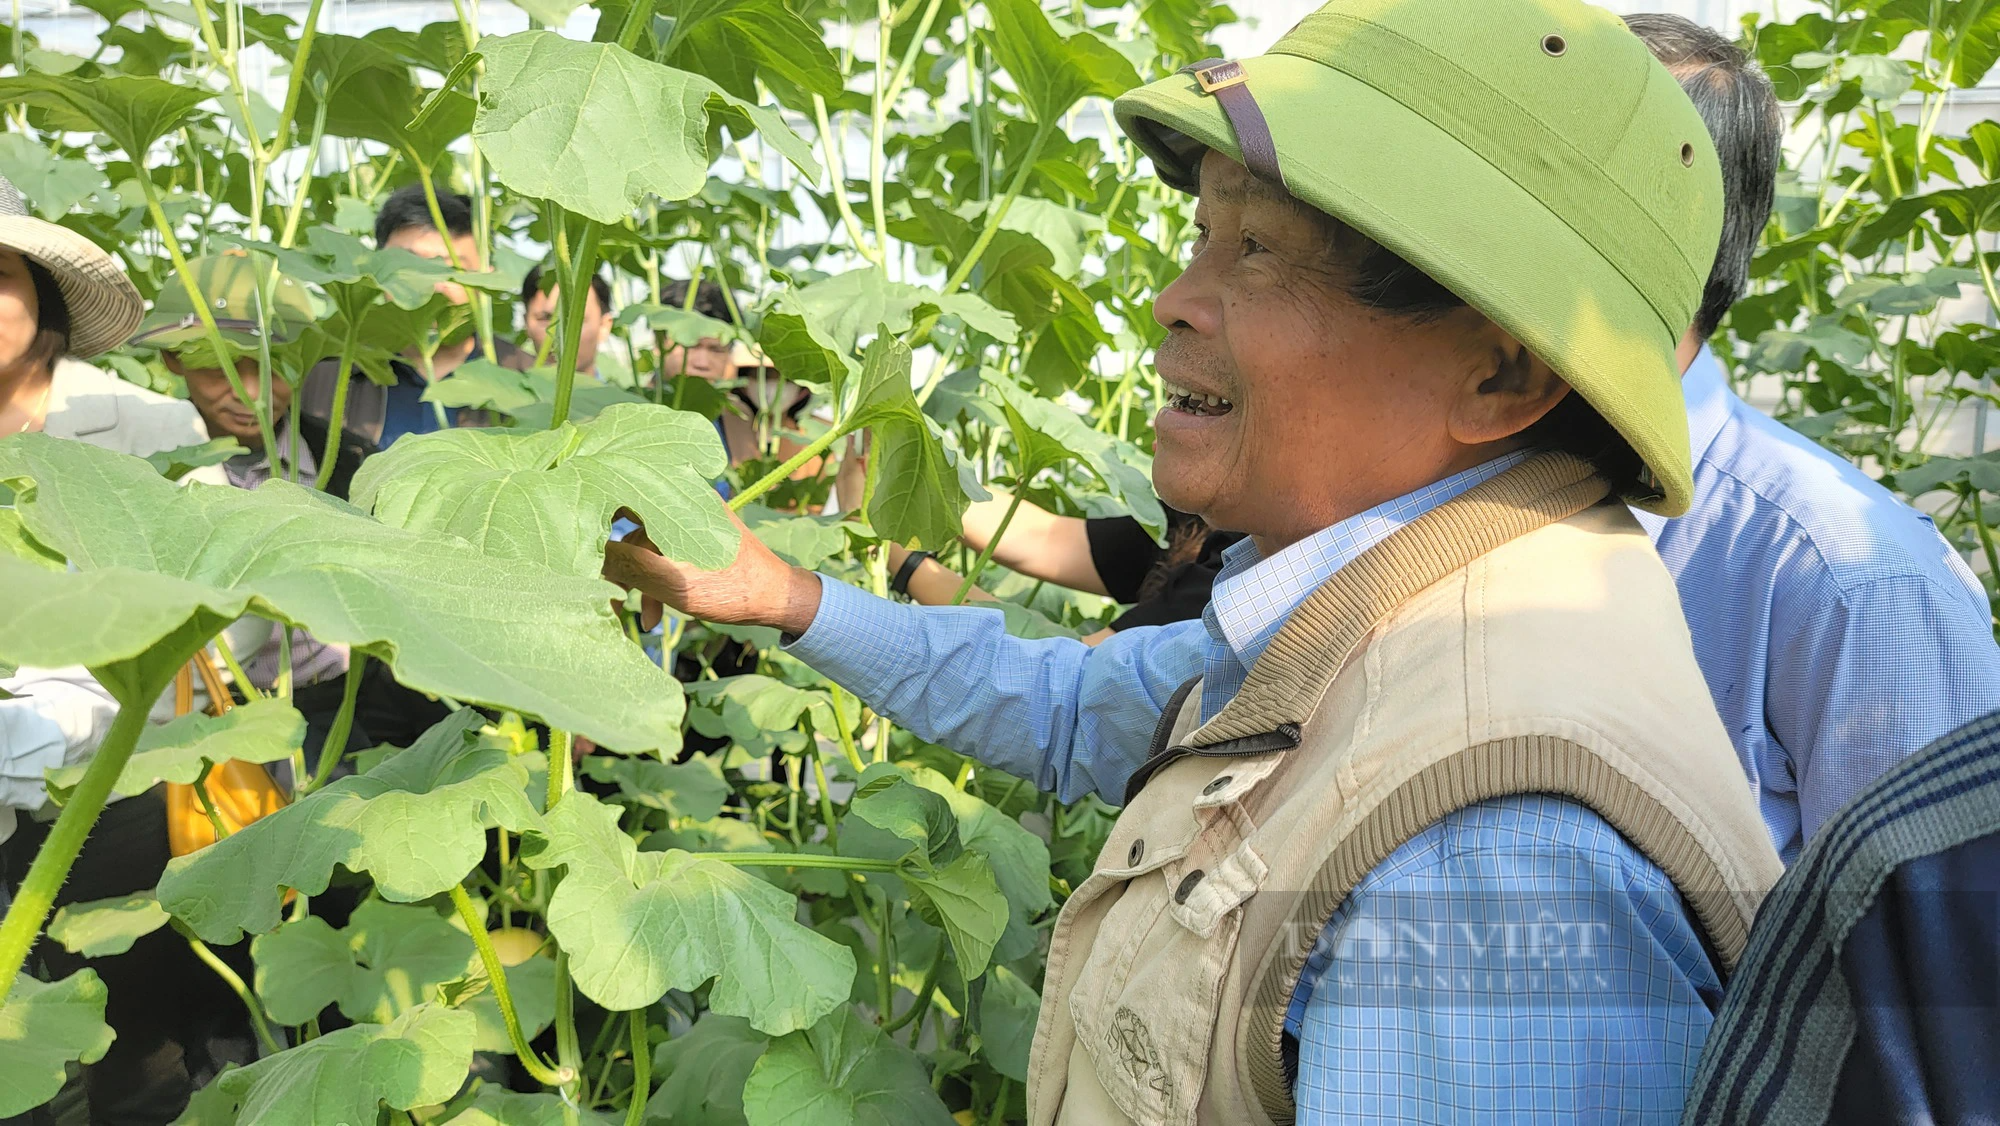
x: 63, y: 300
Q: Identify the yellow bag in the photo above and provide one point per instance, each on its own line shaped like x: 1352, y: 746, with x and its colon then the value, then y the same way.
x: 240, y: 791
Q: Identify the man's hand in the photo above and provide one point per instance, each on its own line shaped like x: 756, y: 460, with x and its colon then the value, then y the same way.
x: 757, y: 589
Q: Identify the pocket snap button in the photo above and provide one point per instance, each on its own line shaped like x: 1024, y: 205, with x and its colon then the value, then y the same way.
x: 1188, y: 883
x: 1135, y: 854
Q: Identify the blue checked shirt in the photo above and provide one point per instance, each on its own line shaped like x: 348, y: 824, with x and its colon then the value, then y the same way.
x: 1553, y: 976
x: 1837, y: 630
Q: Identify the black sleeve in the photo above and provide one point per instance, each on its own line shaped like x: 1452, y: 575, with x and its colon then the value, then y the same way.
x: 1123, y: 554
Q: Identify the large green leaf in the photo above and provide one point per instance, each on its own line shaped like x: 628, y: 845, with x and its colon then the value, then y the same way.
x: 51, y: 184
x: 263, y: 730
x: 155, y: 559
x: 104, y: 927
x: 812, y: 332
x: 526, y: 396
x: 133, y: 111
x: 417, y: 823
x: 302, y: 967
x: 594, y: 128
x: 741, y: 42
x: 419, y: 1058
x: 1008, y: 1008
x: 802, y: 541
x: 683, y: 789
x: 841, y: 1072
x: 44, y: 1026
x: 548, y: 496
x: 1020, y: 860
x: 949, y: 887
x: 497, y: 1106
x: 1052, y: 71
x: 1049, y: 433
x: 703, y: 1071
x: 636, y: 924
x: 914, y: 493
x: 964, y: 901
x: 400, y: 955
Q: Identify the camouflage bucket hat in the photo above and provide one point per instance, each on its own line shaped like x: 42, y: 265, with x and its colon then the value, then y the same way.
x: 230, y: 282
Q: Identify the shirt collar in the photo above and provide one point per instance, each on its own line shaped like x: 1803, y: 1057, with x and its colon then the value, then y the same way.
x: 1254, y: 595
x: 1706, y: 392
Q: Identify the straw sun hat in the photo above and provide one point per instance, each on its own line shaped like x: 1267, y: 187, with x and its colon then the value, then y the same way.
x: 103, y: 306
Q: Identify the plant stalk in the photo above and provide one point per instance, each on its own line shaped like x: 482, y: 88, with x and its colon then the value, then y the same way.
x: 497, y: 975
x: 798, y: 860
x: 37, y: 894
x: 234, y: 981
x: 337, y: 417
x: 999, y: 212
x: 784, y: 472
x: 578, y: 263
x: 334, y: 746
x: 986, y: 556
x: 642, y: 1070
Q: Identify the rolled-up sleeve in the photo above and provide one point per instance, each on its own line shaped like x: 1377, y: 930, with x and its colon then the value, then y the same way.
x: 1070, y: 717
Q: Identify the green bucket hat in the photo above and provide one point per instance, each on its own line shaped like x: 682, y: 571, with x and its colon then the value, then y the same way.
x: 230, y: 282
x: 1530, y: 155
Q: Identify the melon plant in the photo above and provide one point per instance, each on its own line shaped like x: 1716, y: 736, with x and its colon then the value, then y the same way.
x: 814, y: 918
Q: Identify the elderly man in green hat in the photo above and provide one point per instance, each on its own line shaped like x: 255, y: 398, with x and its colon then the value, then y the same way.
x: 230, y: 281
x: 1439, y: 823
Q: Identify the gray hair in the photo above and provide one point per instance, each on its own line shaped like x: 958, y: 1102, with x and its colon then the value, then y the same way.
x: 1736, y: 102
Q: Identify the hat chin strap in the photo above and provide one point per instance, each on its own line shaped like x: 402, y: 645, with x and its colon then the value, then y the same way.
x: 1229, y: 85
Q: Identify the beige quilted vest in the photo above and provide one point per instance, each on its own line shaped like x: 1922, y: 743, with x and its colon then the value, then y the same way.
x: 1522, y: 638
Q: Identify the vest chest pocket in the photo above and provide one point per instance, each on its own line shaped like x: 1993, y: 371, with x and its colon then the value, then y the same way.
x: 1145, y: 1000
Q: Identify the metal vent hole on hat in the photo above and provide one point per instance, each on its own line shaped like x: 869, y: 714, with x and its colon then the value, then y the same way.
x: 1687, y: 154
x: 1554, y: 45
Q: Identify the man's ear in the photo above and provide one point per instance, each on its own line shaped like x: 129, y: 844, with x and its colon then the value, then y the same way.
x: 1507, y: 390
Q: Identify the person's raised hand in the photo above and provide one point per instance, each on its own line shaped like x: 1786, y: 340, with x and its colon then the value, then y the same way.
x: 757, y: 588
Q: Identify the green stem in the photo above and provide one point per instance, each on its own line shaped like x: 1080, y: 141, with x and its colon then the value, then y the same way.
x: 847, y: 746
x: 482, y: 321
x: 784, y: 472
x: 234, y: 981
x: 1985, y: 536
x: 569, y: 1053
x: 337, y: 418
x: 825, y: 801
x: 578, y: 263
x: 560, y: 742
x: 885, y: 959
x: 642, y: 1070
x: 37, y: 894
x: 923, y: 994
x: 208, y: 803
x: 308, y: 30
x: 798, y: 860
x: 496, y: 974
x: 837, y: 173
x: 999, y: 212
x: 334, y: 746
x: 986, y: 556
x: 878, y: 122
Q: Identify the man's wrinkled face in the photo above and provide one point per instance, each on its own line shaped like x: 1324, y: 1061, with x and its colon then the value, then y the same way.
x: 225, y: 413
x: 425, y: 242
x: 1291, y: 403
